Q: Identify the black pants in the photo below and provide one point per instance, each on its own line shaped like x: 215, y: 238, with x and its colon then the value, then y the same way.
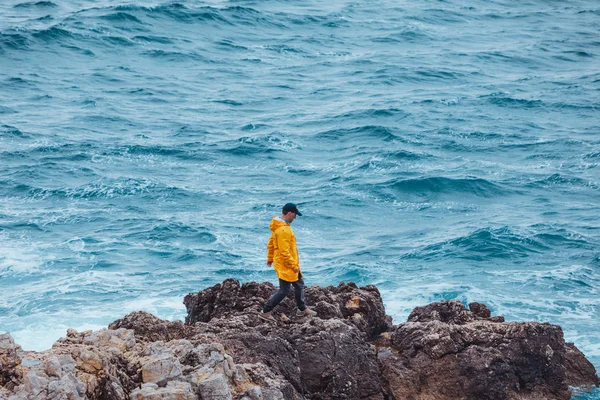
x: 284, y: 289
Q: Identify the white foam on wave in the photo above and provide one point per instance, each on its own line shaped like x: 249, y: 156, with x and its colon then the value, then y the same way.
x: 169, y: 308
x: 39, y: 332
x: 573, y: 311
x: 400, y: 302
x: 20, y: 256
x: 41, y: 337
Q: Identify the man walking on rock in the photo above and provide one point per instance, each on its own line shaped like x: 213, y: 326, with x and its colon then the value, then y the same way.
x: 282, y: 254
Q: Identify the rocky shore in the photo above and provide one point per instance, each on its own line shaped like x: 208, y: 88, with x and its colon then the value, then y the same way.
x: 351, y: 350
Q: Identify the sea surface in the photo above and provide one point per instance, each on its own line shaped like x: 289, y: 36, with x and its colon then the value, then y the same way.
x: 439, y: 149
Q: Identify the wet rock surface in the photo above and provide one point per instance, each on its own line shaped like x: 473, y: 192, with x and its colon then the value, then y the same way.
x: 350, y: 350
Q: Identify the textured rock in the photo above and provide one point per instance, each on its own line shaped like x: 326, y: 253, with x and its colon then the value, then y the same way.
x: 150, y: 328
x: 10, y: 374
x: 173, y: 391
x: 362, y: 307
x: 349, y: 351
x: 446, y: 351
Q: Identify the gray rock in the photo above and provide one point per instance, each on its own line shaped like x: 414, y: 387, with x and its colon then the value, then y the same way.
x: 160, y: 368
x: 174, y: 390
x: 10, y: 374
x: 214, y: 387
x: 255, y: 393
x: 445, y: 350
x: 272, y: 394
x: 350, y: 350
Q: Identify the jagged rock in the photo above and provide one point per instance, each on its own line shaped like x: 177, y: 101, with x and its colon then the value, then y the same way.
x: 446, y: 351
x: 150, y: 328
x: 362, y: 307
x: 52, y: 379
x: 160, y: 369
x: 480, y: 310
x: 579, y: 371
x: 336, y: 361
x: 173, y: 391
x: 214, y: 387
x: 10, y: 375
x: 350, y: 350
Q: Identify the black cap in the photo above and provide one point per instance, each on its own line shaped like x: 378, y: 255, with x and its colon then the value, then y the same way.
x: 291, y: 207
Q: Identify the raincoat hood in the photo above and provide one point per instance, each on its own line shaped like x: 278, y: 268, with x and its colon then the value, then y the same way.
x: 277, y: 223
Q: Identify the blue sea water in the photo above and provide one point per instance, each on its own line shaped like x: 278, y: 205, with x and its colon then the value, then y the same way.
x: 439, y: 149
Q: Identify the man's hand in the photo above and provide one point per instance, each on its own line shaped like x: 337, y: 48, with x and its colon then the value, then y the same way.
x: 297, y: 270
x: 269, y: 263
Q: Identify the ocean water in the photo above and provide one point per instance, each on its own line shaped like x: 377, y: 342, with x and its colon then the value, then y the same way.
x: 439, y: 149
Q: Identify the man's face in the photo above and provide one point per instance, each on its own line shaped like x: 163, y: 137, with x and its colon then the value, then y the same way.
x: 290, y: 216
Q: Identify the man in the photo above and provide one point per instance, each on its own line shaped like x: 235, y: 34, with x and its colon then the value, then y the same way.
x: 282, y: 254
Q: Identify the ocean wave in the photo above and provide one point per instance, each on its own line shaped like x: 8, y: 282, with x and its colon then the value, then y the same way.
x: 372, y: 113
x: 174, y: 56
x: 153, y: 39
x: 226, y: 43
x: 7, y: 110
x: 579, y: 53
x: 563, y: 180
x: 405, y: 155
x: 55, y: 33
x: 511, y: 102
x: 253, y: 127
x: 118, y: 40
x: 173, y: 231
x: 562, y: 238
x: 187, y: 151
x: 474, y: 135
x: 154, y: 150
x: 79, y: 50
x: 176, y: 11
x: 481, y: 245
x: 330, y: 21
x: 437, y: 185
x: 14, y: 41
x: 229, y: 102
x: 21, y: 226
x: 36, y: 4
x: 565, y: 279
x: 121, y: 17
x: 557, y: 144
x: 109, y: 189
x: 592, y: 156
x: 60, y: 149
x: 247, y: 146
x: 98, y: 120
x: 231, y: 15
x: 596, y: 12
x: 361, y: 132
x: 251, y: 17
x: 388, y: 161
x: 283, y: 49
x: 410, y: 36
x: 433, y: 74
x: 8, y: 130
x: 438, y: 15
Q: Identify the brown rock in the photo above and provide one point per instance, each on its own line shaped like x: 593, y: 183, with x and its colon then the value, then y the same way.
x: 150, y: 328
x: 448, y: 352
x: 10, y: 374
x: 350, y: 350
x: 342, y: 302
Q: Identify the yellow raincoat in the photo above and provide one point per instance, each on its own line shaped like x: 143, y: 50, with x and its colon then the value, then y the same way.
x: 282, y: 251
